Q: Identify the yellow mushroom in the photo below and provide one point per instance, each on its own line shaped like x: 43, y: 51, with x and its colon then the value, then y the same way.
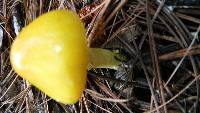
x: 52, y: 54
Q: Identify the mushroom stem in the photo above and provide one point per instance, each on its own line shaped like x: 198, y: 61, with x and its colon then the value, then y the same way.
x: 103, y: 58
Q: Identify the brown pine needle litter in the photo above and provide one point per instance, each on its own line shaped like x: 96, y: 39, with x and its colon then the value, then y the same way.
x: 159, y: 38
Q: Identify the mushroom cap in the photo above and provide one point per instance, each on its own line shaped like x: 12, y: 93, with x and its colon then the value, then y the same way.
x: 52, y: 54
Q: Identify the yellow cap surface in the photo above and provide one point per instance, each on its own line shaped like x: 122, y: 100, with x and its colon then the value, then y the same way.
x: 52, y: 54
